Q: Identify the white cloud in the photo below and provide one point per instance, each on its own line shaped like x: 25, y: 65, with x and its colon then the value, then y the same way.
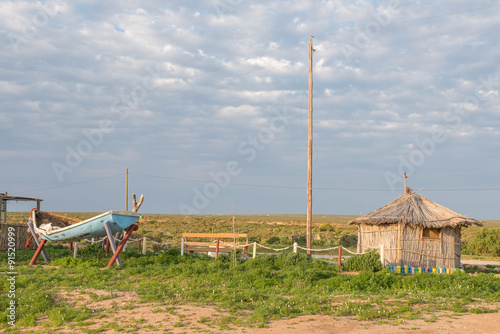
x: 226, y: 73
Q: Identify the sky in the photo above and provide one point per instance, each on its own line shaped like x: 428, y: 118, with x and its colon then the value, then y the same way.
x: 206, y: 104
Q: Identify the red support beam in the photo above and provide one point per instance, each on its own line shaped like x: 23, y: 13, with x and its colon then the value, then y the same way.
x: 131, y: 229
x: 107, y: 245
x: 38, y: 251
x: 216, y: 250
x: 340, y: 255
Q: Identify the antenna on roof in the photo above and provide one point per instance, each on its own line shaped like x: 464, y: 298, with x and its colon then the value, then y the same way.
x: 404, y: 190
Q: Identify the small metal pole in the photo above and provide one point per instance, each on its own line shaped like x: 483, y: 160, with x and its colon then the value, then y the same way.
x: 112, y: 241
x: 75, y: 250
x: 295, y: 247
x: 71, y: 245
x: 340, y: 255
x: 182, y: 246
x: 144, y: 247
x: 254, y: 249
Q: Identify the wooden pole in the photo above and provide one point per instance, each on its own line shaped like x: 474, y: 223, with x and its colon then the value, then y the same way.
x: 5, y: 210
x: 404, y: 190
x: 216, y: 250
x: 382, y: 255
x: 309, y: 157
x: 399, y: 243
x: 144, y: 246
x: 254, y: 249
x: 112, y: 243
x: 126, y: 189
x: 75, y: 249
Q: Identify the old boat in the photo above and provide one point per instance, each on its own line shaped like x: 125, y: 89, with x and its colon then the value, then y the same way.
x: 90, y: 228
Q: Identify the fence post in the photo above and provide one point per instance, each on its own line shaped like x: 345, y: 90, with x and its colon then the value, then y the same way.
x: 382, y: 260
x: 75, y: 249
x: 340, y: 255
x: 254, y: 249
x: 182, y: 246
x: 92, y: 241
x: 144, y: 245
x: 216, y: 250
x: 295, y: 247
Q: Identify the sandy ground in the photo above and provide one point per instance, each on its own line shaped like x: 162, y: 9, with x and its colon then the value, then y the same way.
x: 122, y: 314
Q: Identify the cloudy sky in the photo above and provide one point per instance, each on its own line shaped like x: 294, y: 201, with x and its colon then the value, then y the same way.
x: 206, y: 104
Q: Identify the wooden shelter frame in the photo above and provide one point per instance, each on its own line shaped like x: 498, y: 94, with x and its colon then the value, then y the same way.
x: 4, y: 198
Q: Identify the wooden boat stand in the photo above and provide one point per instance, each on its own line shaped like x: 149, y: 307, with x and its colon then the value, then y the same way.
x: 110, y: 241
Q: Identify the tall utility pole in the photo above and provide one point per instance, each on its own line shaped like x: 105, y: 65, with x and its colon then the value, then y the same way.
x: 126, y: 189
x: 309, y: 150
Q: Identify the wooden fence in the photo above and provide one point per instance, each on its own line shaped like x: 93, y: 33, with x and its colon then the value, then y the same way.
x: 21, y: 236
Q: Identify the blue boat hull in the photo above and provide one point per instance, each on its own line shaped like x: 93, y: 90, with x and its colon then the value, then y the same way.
x: 93, y: 227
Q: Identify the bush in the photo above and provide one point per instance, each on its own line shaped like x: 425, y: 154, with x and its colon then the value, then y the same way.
x: 349, y: 240
x: 300, y: 239
x: 364, y: 262
x: 484, y: 242
x: 92, y: 251
x: 326, y: 227
x: 273, y: 240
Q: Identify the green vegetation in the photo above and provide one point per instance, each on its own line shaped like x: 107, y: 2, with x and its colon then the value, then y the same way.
x: 485, y: 242
x: 66, y: 294
x: 364, y: 262
x: 254, y: 291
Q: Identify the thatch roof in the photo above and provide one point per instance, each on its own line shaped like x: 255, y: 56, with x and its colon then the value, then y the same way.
x: 417, y: 210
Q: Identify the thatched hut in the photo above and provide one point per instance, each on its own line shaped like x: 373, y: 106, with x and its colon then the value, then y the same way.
x: 414, y: 231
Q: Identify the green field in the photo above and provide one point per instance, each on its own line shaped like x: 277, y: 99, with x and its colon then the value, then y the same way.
x: 77, y: 295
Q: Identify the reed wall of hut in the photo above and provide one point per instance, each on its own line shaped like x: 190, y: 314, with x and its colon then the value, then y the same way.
x: 21, y: 236
x: 406, y: 244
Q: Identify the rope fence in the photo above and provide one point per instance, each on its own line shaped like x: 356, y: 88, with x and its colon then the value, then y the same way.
x: 145, y: 240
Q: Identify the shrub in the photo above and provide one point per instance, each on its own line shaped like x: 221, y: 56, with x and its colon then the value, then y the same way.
x: 92, y: 251
x: 349, y: 240
x: 273, y: 240
x: 364, y: 262
x: 484, y: 242
x: 326, y: 227
x: 300, y: 239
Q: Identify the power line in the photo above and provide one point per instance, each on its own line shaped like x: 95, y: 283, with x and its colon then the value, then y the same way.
x: 301, y: 188
x: 67, y: 185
